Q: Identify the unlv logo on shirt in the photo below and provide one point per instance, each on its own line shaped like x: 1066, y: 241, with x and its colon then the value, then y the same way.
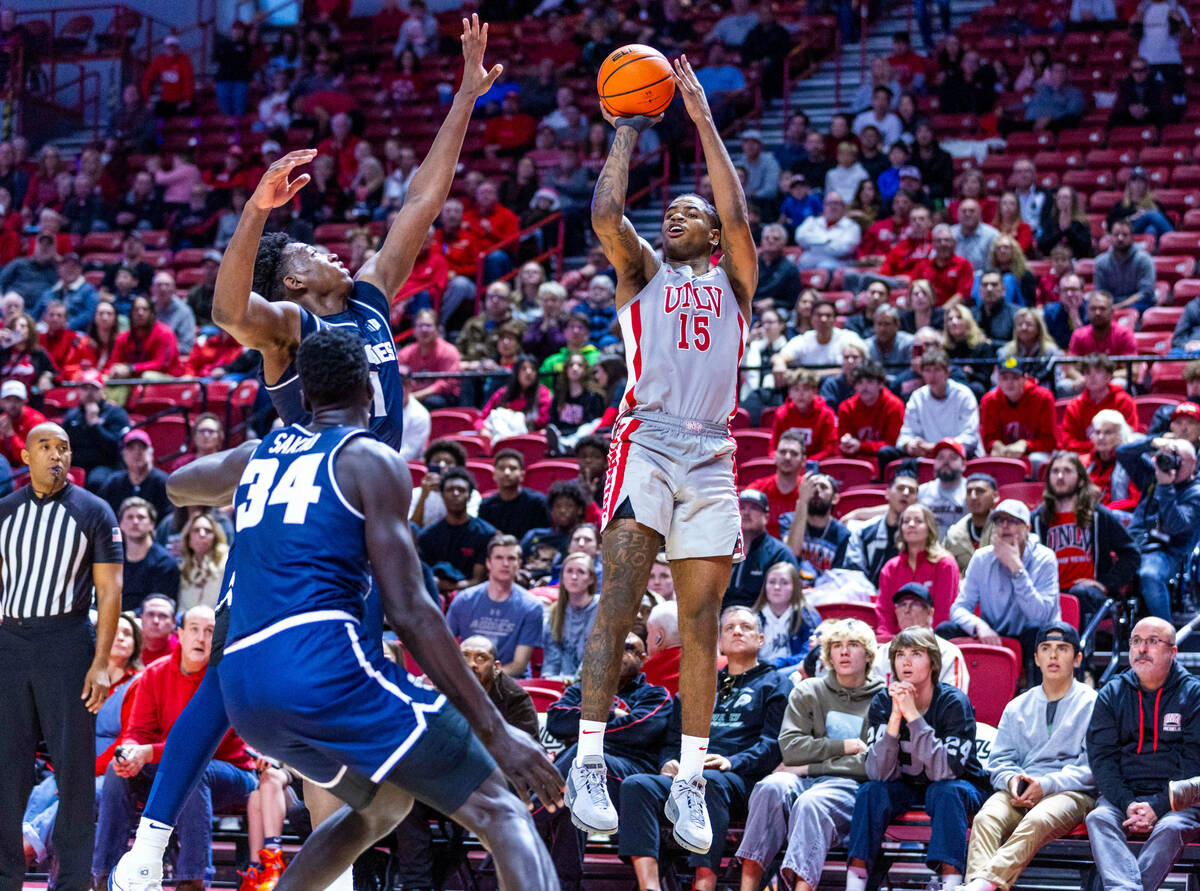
x: 702, y: 299
x: 1015, y: 430
x: 868, y: 434
x: 1062, y: 537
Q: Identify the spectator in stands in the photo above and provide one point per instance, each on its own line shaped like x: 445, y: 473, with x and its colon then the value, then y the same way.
x: 846, y: 177
x: 837, y: 388
x: 1017, y: 417
x: 968, y: 88
x: 1091, y: 15
x: 921, y: 750
x: 514, y: 509
x: 743, y: 748
x: 148, y: 348
x: 781, y: 486
x: 906, y: 254
x: 1069, y: 314
x: 908, y: 65
x: 591, y: 453
x: 140, y: 477
x: 433, y: 354
x: 522, y: 393
x: 907, y: 382
x: 880, y: 76
x: 170, y: 77
x: 1096, y: 556
x: 208, y: 436
x: 942, y: 409
x: 456, y: 545
x: 149, y: 569
x: 661, y: 584
x: 1031, y: 198
x: 158, y: 628
x: 1056, y: 103
x: 1014, y: 584
x: 204, y: 551
x: 732, y: 28
x: 1099, y: 393
x: 933, y: 161
x: 1008, y: 258
x: 914, y: 609
x: 950, y: 275
x: 945, y: 495
x: 577, y: 406
x: 545, y: 334
x: 870, y: 420
x: 1109, y: 431
x: 494, y: 227
x: 500, y: 610
x: 163, y: 691
x: 1033, y: 344
x: 883, y: 234
x: 921, y: 559
x: 763, y: 551
x: 84, y: 210
x: 477, y: 340
x: 598, y: 305
x: 1167, y: 515
x: 171, y: 311
x: 1142, y: 99
x: 31, y: 276
x: 973, y: 531
x: 17, y: 418
x: 889, y: 346
x: 1064, y: 221
x: 567, y: 504
x: 133, y: 258
x: 66, y: 348
x: 569, y: 620
x: 862, y: 322
x: 72, y: 289
x: 873, y: 544
x: 95, y: 428
x: 828, y: 241
x: 663, y: 645
x: 1132, y: 777
x: 1101, y: 335
x: 762, y: 170
x: 867, y: 206
x: 142, y: 206
x: 1139, y: 206
x: 807, y: 412
x: 801, y: 202
x: 793, y: 150
x: 778, y: 278
x: 823, y: 764
x: 176, y: 177
x: 636, y: 729
x: 788, y: 621
x: 1159, y: 26
x: 821, y: 346
x: 1038, y: 767
x: 814, y: 167
x: 972, y: 237
x: 512, y: 132
x: 880, y: 116
x: 813, y: 533
x: 1125, y: 270
x: 993, y: 313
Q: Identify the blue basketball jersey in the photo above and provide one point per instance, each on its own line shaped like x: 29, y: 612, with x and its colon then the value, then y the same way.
x: 300, y: 544
x: 367, y: 313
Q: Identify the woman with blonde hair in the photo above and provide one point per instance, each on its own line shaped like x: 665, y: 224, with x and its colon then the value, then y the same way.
x: 923, y: 311
x: 964, y: 341
x: 1008, y: 221
x: 921, y: 559
x: 1033, y: 343
x: 1008, y: 258
x: 788, y: 621
x: 569, y: 621
x: 1140, y: 207
x: 204, y: 550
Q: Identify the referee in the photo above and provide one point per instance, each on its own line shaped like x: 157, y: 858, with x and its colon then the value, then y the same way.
x: 58, y: 542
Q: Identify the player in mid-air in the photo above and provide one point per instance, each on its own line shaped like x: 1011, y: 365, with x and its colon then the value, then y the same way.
x: 270, y: 294
x: 319, y: 508
x: 670, y: 465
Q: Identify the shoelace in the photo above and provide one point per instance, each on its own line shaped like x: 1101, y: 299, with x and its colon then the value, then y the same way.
x: 694, y: 801
x: 594, y: 781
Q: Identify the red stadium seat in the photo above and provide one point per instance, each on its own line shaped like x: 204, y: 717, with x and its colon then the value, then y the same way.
x: 864, y: 612
x: 1103, y: 201
x: 850, y: 472
x: 474, y: 445
x: 541, y: 474
x: 101, y: 241
x: 542, y: 697
x: 449, y: 421
x: 1191, y: 220
x: 752, y: 444
x: 1131, y: 137
x: 60, y: 400
x: 814, y: 278
x: 1147, y: 405
x: 1185, y: 176
x: 1058, y: 161
x: 1181, y: 134
x: 1127, y: 317
x: 147, y: 399
x: 1185, y: 290
x: 1161, y: 318
x: 994, y: 672
x: 1183, y: 243
x: 418, y: 471
x: 1068, y: 607
x: 1030, y: 493
x: 169, y: 436
x: 1172, y: 269
x: 1004, y: 470
x: 1166, y: 378
x: 1089, y: 180
x: 1170, y: 155
x: 853, y: 499
x: 531, y: 445
x: 749, y: 471
x: 741, y: 420
x: 1153, y: 343
x: 1179, y: 200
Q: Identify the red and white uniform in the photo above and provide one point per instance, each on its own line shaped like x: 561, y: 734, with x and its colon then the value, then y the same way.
x: 670, y: 465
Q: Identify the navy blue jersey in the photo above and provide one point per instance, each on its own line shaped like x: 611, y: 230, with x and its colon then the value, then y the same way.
x: 366, y: 312
x: 300, y: 544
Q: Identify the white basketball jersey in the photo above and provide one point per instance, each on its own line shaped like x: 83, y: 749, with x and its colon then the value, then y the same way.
x: 684, y: 336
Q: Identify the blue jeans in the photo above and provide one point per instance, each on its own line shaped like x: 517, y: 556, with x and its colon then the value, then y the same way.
x: 1154, y: 221
x: 1156, y: 570
x: 221, y: 787
x: 924, y: 19
x: 231, y: 96
x: 949, y: 803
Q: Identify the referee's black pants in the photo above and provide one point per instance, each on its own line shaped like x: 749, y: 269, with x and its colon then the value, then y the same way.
x: 43, y: 664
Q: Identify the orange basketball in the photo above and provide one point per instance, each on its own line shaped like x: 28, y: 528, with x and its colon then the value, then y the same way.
x: 635, y: 79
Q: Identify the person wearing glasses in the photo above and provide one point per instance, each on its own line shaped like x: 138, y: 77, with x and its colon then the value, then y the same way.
x: 1141, y: 98
x: 208, y: 437
x: 1144, y: 733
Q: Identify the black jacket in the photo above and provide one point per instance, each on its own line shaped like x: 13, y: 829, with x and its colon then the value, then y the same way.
x: 1139, y: 741
x: 746, y: 582
x: 1117, y: 558
x: 96, y: 445
x: 745, y: 722
x: 637, y: 735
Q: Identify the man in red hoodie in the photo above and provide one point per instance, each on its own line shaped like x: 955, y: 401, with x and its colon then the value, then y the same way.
x: 1016, y: 419
x: 871, y: 419
x: 162, y: 692
x: 493, y: 225
x: 172, y: 72
x: 16, y: 420
x: 807, y: 412
x: 1099, y: 392
x: 64, y: 345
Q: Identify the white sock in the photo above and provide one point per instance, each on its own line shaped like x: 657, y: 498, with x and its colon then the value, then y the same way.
x: 344, y: 882
x: 591, y: 740
x: 980, y: 885
x: 150, y: 843
x: 856, y: 878
x: 692, y: 751
x: 951, y: 881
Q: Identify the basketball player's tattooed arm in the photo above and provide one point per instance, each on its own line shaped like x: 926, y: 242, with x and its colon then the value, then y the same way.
x: 739, y: 255
x: 631, y: 257
x: 210, y: 481
x: 390, y: 267
x: 376, y: 480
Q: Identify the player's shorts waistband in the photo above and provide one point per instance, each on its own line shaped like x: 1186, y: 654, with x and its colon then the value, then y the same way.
x: 321, y: 615
x: 683, y: 425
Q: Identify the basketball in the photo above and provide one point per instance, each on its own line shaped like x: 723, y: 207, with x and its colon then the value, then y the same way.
x: 635, y: 79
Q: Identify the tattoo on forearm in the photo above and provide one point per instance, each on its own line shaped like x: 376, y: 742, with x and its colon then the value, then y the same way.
x: 611, y: 186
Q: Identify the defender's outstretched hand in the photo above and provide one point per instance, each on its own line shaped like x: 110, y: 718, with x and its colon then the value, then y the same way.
x: 274, y: 189
x: 694, y: 99
x: 476, y: 81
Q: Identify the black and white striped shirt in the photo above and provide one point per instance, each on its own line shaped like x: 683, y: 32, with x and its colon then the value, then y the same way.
x: 47, y: 549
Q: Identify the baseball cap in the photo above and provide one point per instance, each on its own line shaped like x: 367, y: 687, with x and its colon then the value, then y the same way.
x: 757, y: 498
x: 1011, y: 507
x: 952, y: 444
x: 1011, y: 364
x: 137, y: 436
x: 1186, y: 409
x: 752, y: 134
x: 92, y: 377
x: 910, y: 172
x: 1058, y: 631
x: 14, y: 388
x: 983, y: 478
x: 171, y: 40
x: 215, y: 256
x: 913, y: 589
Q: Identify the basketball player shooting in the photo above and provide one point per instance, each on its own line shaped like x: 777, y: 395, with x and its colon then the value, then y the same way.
x: 670, y: 466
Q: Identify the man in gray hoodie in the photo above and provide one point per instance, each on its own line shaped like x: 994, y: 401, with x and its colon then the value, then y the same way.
x: 1038, y: 767
x: 822, y: 739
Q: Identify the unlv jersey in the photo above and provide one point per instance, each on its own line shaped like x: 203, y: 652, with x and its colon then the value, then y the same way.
x: 684, y: 337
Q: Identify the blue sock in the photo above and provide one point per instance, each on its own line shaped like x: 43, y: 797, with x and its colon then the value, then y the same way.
x: 190, y: 745
x: 273, y: 842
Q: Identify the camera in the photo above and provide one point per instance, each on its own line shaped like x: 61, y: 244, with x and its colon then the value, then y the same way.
x: 1168, y: 462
